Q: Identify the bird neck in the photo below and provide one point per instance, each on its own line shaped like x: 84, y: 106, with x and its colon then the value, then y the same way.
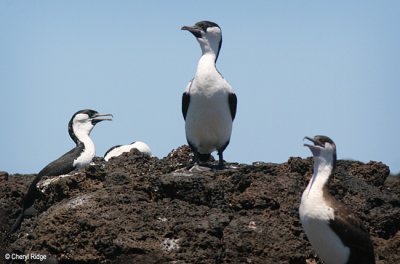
x: 87, y: 142
x: 210, y: 48
x: 83, y: 138
x: 321, y: 173
x: 206, y: 65
x: 88, y: 153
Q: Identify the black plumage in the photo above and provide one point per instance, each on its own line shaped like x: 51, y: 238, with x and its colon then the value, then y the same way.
x: 63, y: 165
x: 351, y: 231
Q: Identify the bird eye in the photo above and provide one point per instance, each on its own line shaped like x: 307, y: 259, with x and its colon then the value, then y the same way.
x: 203, y: 26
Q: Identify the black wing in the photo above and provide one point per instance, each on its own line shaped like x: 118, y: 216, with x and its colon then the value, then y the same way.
x: 353, y: 234
x: 185, y: 103
x: 186, y: 99
x: 232, y: 104
x: 60, y: 166
x: 63, y: 164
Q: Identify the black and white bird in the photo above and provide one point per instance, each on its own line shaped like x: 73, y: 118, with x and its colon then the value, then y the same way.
x: 119, y: 149
x: 209, y: 102
x: 335, y: 233
x: 79, y: 128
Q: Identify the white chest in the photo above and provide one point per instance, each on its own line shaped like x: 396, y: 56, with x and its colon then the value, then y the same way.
x: 208, y: 121
x: 86, y: 156
x: 315, y: 215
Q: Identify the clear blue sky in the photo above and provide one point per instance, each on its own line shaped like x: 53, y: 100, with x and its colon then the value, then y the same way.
x: 299, y: 68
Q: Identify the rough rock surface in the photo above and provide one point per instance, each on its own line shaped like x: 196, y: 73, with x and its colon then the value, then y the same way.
x: 136, y: 209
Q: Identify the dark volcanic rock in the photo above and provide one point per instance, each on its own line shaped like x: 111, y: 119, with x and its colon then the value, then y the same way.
x: 3, y: 175
x: 392, y: 183
x: 138, y: 209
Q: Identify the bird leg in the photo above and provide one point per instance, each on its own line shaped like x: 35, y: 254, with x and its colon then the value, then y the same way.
x: 221, y: 164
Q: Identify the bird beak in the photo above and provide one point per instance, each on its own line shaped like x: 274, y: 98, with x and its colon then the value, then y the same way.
x: 100, y: 117
x: 196, y: 31
x: 310, y: 139
x: 315, y: 149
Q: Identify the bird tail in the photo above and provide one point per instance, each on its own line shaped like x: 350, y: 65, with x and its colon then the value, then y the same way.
x: 17, y: 222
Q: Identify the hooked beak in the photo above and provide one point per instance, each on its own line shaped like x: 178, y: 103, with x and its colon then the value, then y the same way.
x: 99, y: 117
x: 315, y: 149
x: 196, y: 31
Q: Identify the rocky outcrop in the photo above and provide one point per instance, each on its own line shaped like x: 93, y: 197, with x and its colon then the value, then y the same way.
x: 137, y: 209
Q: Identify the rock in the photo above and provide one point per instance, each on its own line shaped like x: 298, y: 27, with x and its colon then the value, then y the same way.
x: 392, y: 183
x: 3, y: 176
x: 138, y: 209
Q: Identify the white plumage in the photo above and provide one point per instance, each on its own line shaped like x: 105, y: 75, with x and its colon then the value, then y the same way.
x: 118, y: 150
x: 335, y: 233
x: 315, y: 215
x: 209, y: 102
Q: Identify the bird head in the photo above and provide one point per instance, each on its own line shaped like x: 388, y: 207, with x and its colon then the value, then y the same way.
x: 208, y: 34
x: 83, y: 121
x: 323, y: 150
